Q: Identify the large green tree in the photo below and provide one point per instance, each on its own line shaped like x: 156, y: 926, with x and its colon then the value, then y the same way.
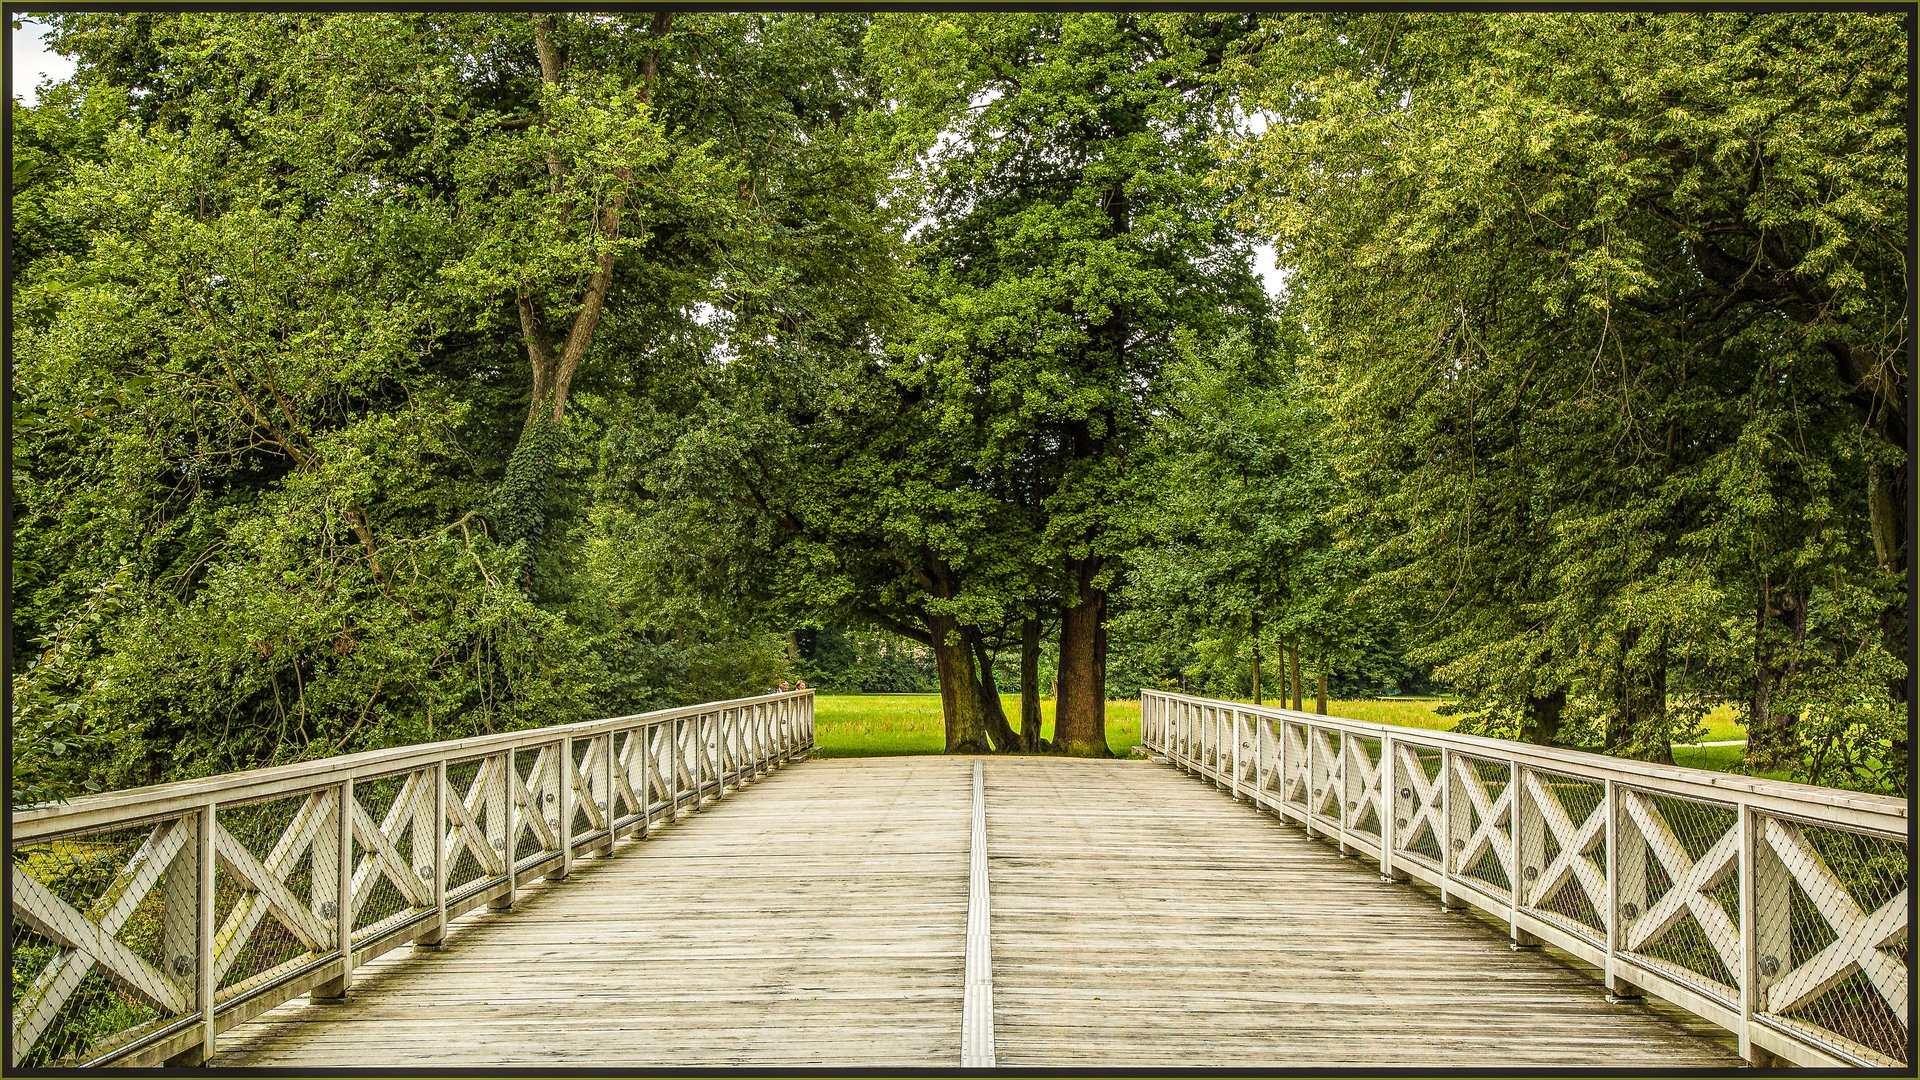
x: 1073, y: 249
x: 1612, y: 306
x: 297, y: 292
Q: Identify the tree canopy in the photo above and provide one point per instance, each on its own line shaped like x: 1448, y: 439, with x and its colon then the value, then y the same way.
x: 382, y: 377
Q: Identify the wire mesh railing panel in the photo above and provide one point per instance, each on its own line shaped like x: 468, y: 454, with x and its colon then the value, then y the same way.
x: 276, y: 888
x: 538, y: 796
x: 1832, y: 949
x: 630, y: 792
x: 661, y: 763
x: 392, y: 850
x: 1297, y: 770
x: 1363, y: 779
x: 1679, y: 890
x: 473, y: 804
x: 1267, y: 747
x: 1323, y: 757
x: 588, y: 780
x: 1480, y: 831
x: 1563, y: 851
x: 103, y: 938
x: 1416, y: 802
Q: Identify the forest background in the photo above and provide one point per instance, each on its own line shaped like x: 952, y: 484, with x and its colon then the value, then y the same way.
x: 381, y: 378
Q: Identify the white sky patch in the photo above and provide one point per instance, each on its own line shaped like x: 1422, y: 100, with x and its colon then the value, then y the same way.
x: 1266, y: 263
x: 33, y: 62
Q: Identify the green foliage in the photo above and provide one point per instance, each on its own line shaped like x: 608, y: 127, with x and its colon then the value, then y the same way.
x: 1606, y: 307
x: 376, y: 382
x: 268, y: 499
x: 837, y: 660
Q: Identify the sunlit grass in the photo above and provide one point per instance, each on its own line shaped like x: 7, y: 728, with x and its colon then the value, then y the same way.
x: 878, y: 725
x: 875, y: 725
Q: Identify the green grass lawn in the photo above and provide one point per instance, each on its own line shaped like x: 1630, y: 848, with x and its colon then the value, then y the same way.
x: 876, y: 725
x: 879, y: 725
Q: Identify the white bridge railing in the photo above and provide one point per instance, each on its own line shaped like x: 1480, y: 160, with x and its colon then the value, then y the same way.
x: 145, y: 922
x: 1775, y: 910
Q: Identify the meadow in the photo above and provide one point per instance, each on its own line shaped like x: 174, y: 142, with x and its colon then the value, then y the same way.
x: 881, y: 725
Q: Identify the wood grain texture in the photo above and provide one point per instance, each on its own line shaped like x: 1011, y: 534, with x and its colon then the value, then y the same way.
x: 817, y: 918
x: 1139, y: 918
x: 1142, y: 918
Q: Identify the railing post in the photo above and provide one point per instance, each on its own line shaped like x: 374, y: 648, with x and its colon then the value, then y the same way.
x: 1446, y: 829
x: 434, y: 937
x: 613, y: 789
x: 1389, y: 807
x: 1518, y: 844
x: 673, y: 766
x: 1200, y: 740
x: 1309, y: 739
x: 336, y: 989
x: 642, y: 757
x: 1280, y: 765
x: 1766, y: 898
x: 563, y: 800
x: 1619, y: 863
x: 698, y: 745
x: 509, y: 831
x: 1344, y: 788
x: 1258, y: 725
x: 1209, y: 743
x: 1234, y: 718
x: 203, y: 940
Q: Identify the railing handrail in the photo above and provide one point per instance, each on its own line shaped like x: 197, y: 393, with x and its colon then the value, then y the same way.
x: 1858, y: 809
x: 133, y: 805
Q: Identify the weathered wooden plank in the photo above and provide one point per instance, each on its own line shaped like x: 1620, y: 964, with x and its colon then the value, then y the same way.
x: 1137, y: 919
x: 1144, y: 920
x: 818, y: 921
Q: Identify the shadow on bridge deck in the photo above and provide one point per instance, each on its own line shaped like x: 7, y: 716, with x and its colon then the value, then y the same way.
x: 1138, y: 919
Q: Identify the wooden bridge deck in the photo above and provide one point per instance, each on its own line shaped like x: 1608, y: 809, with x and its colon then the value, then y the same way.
x: 1138, y: 918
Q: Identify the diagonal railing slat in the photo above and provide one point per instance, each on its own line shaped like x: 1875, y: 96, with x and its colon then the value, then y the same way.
x: 1775, y: 910
x: 136, y: 951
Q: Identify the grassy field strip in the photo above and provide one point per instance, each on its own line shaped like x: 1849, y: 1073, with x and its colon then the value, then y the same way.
x: 884, y: 725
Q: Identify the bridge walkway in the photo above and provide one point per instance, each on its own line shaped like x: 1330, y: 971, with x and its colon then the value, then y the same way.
x: 1138, y: 919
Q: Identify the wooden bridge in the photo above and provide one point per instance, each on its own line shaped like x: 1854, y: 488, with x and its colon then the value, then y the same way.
x: 679, y: 889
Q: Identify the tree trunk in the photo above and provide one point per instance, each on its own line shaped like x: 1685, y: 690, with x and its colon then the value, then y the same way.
x: 1030, y: 685
x: 1080, y: 712
x: 1320, y: 697
x: 1256, y: 658
x: 554, y: 358
x: 1772, y: 736
x: 1542, y: 724
x: 1293, y: 650
x: 1657, y: 730
x: 1640, y: 728
x: 1002, y: 733
x: 959, y: 688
